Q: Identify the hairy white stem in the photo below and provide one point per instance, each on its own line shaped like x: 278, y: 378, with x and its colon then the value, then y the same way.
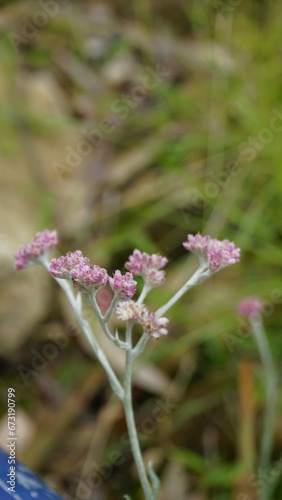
x: 84, y: 325
x: 198, y: 277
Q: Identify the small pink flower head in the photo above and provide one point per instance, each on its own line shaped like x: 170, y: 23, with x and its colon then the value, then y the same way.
x: 41, y: 244
x: 147, y: 266
x: 74, y: 266
x: 153, y: 277
x: 123, y: 285
x: 87, y: 278
x: 64, y: 266
x: 222, y: 254
x: 250, y: 306
x: 131, y: 311
x: 218, y: 254
x: 197, y: 243
x: 155, y: 326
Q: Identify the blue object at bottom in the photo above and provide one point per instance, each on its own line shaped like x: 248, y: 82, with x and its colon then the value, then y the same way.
x: 19, y: 483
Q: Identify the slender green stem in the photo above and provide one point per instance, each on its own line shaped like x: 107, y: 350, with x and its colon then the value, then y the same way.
x: 129, y: 416
x: 271, y: 390
x: 200, y: 275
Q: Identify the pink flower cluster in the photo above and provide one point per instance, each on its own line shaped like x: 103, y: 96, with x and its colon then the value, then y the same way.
x: 86, y: 278
x: 251, y: 306
x: 123, y: 285
x: 218, y: 254
x: 131, y: 311
x: 64, y: 266
x: 147, y: 266
x: 41, y: 244
x: 156, y: 326
x: 74, y: 266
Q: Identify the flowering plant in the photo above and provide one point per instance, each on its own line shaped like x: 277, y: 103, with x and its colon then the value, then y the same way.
x: 252, y: 308
x: 74, y: 273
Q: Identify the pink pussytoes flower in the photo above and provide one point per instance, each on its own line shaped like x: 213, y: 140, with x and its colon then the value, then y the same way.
x: 64, y: 266
x: 197, y: 243
x: 155, y: 326
x: 218, y: 254
x: 153, y: 277
x: 222, y: 254
x: 139, y: 313
x: 250, y: 306
x: 123, y: 285
x: 41, y: 244
x: 130, y: 310
x: 87, y: 278
x: 74, y: 266
x: 147, y: 266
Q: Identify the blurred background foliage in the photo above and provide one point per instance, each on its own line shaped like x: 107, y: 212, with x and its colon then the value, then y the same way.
x: 182, y: 106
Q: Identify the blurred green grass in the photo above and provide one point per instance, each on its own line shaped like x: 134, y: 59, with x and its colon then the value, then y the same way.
x: 223, y: 83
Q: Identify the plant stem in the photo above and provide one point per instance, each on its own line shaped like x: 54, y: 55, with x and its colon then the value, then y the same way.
x: 129, y: 416
x: 123, y: 393
x: 84, y: 325
x: 114, y: 382
x: 146, y: 289
x: 276, y: 472
x: 140, y: 346
x: 103, y: 324
x: 155, y: 480
x: 271, y: 384
x: 111, y: 309
x: 195, y: 279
